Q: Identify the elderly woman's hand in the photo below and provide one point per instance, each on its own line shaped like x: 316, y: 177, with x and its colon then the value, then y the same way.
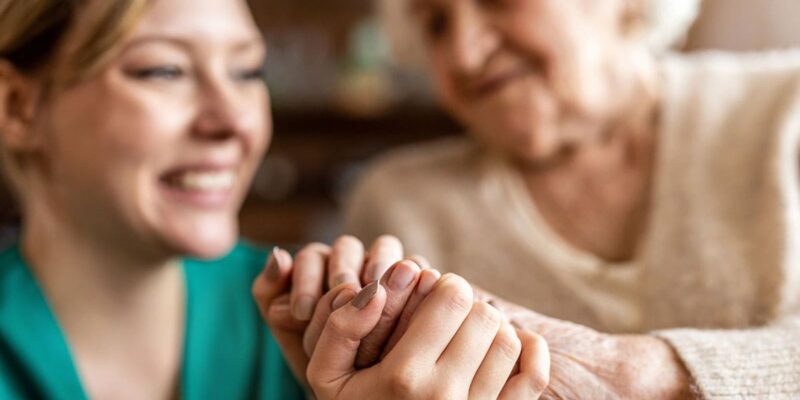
x: 589, y: 364
x: 452, y: 348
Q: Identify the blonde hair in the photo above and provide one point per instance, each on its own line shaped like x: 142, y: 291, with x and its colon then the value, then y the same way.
x: 664, y: 23
x: 32, y: 33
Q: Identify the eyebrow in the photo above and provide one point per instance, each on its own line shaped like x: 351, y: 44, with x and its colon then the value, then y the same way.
x: 241, y: 44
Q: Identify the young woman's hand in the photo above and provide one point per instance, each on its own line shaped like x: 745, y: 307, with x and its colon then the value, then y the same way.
x: 288, y: 290
x: 452, y: 347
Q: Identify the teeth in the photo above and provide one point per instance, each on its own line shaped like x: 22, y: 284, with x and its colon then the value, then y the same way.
x: 206, y: 181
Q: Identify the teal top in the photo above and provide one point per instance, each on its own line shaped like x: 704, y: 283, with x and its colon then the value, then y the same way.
x: 228, y: 352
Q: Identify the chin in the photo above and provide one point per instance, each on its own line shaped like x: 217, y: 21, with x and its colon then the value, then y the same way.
x: 204, y: 241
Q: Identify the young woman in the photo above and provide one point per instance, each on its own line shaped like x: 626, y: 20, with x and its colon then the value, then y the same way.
x: 130, y: 130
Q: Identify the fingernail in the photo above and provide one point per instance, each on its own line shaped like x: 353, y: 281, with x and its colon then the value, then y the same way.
x: 273, y: 268
x: 342, y: 299
x: 303, y: 308
x: 283, y: 257
x: 377, y: 270
x: 365, y: 296
x: 400, y: 276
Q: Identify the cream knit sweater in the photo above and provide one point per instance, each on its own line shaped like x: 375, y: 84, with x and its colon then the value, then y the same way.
x: 718, y: 275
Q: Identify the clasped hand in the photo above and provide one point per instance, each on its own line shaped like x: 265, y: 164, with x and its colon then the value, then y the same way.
x: 415, y: 335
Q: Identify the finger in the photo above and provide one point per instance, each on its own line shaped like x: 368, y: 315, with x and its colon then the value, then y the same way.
x: 279, y: 316
x: 498, y: 364
x: 399, y: 282
x: 345, y: 262
x: 471, y: 344
x: 273, y: 280
x: 286, y: 331
x: 385, y: 251
x: 421, y: 261
x: 427, y: 279
x: 437, y: 320
x: 534, y: 369
x: 336, y: 349
x: 307, y: 279
x: 329, y: 303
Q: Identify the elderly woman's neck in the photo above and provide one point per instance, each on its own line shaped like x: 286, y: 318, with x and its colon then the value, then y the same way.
x: 595, y: 193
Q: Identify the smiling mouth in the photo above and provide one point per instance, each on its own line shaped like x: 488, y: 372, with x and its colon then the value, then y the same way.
x: 493, y: 84
x: 201, y: 181
x: 208, y: 189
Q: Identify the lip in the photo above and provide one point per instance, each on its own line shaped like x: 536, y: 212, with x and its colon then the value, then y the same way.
x: 204, y: 199
x: 496, y: 82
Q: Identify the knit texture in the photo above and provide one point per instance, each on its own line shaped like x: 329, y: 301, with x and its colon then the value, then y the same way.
x: 718, y: 273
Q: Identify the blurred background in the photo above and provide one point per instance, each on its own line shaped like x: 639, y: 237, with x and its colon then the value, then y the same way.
x: 338, y: 102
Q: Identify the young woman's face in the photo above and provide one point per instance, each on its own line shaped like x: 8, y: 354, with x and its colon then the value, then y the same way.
x: 160, y: 147
x: 518, y: 72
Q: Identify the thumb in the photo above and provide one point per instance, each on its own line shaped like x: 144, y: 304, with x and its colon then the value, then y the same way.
x: 273, y: 281
x: 333, y: 360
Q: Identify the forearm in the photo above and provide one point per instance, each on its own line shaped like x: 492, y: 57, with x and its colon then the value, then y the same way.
x: 653, y: 370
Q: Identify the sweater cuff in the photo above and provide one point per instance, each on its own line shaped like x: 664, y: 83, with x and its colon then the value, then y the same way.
x: 754, y: 363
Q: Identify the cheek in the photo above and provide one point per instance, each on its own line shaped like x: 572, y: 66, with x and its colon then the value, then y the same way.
x: 445, y: 88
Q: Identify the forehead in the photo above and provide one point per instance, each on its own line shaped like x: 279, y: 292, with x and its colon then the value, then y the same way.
x: 210, y: 21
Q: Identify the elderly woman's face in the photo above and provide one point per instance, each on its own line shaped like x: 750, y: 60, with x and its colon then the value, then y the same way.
x: 518, y: 72
x: 160, y: 147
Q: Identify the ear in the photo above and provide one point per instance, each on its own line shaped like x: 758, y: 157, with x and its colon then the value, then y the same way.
x: 19, y: 99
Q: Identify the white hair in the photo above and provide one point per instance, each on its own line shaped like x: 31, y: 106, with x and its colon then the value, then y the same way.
x: 666, y: 23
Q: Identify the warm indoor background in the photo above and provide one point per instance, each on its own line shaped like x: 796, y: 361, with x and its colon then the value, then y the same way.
x: 337, y: 102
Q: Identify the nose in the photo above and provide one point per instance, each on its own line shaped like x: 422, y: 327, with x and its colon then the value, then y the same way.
x: 221, y: 114
x: 472, y: 39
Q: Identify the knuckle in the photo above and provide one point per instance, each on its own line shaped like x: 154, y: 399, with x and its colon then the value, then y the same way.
x: 404, y: 381
x: 314, y: 378
x: 457, y: 292
x: 340, y: 327
x: 387, y: 240
x: 537, y: 382
x: 422, y: 261
x: 487, y: 315
x: 306, y: 255
x: 508, y: 344
x: 537, y: 379
x: 258, y: 289
x: 348, y: 241
x: 318, y: 247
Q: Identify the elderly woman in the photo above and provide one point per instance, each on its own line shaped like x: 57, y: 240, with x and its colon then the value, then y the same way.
x: 653, y: 198
x: 130, y: 130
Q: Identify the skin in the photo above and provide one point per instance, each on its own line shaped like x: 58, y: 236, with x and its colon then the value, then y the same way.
x: 582, y: 363
x: 436, y: 342
x: 178, y: 96
x: 566, y: 90
x: 575, y: 116
x: 184, y: 96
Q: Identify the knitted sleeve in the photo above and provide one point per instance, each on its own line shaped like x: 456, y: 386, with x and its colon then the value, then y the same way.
x: 759, y: 362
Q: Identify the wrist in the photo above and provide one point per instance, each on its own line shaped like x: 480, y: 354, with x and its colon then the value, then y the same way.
x: 654, y: 370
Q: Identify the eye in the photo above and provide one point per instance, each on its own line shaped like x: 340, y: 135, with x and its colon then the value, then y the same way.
x: 249, y: 75
x: 435, y: 25
x: 166, y: 72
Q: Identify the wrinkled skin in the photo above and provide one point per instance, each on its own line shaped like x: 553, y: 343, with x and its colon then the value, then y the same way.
x: 590, y: 364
